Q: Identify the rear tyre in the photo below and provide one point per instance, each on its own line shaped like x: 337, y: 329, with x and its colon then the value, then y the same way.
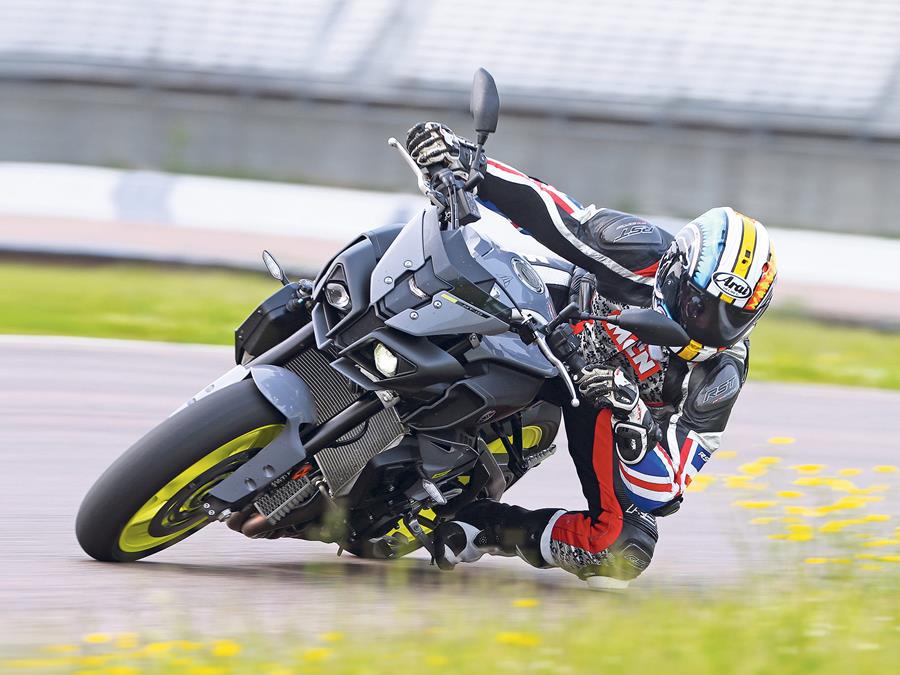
x: 151, y: 497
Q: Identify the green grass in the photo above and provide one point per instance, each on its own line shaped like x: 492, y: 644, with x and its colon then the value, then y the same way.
x: 180, y: 305
x: 797, y: 625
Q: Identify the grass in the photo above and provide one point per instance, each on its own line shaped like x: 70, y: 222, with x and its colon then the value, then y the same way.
x: 805, y: 626
x: 181, y: 305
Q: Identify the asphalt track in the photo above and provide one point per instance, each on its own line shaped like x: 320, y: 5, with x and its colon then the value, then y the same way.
x: 68, y: 407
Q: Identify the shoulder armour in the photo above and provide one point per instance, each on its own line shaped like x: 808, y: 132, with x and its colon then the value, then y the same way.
x: 713, y: 388
x: 633, y: 242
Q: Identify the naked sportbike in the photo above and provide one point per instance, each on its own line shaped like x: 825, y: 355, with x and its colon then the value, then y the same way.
x: 424, y: 368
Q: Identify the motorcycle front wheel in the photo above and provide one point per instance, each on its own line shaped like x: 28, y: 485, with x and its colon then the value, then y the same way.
x: 151, y: 497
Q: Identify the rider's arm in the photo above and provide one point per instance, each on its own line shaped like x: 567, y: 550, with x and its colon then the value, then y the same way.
x: 561, y: 224
x: 690, y: 435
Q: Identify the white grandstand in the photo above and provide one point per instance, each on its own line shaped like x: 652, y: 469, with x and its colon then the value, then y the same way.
x: 821, y: 65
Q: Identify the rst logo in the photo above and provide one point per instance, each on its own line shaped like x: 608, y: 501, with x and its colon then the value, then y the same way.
x: 732, y: 284
x: 637, y: 353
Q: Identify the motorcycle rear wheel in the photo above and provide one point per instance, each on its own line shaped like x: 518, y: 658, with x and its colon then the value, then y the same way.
x: 151, y: 497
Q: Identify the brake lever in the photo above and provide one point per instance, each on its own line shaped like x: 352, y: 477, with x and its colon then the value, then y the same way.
x: 435, y: 197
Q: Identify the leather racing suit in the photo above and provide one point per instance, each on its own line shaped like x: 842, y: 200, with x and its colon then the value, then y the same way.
x: 690, y: 402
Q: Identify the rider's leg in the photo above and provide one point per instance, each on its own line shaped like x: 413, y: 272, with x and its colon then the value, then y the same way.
x: 612, y: 540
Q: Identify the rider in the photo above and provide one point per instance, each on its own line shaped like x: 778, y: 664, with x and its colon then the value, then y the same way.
x: 655, y: 416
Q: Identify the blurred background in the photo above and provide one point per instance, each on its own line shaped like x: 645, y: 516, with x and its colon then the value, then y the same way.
x: 149, y: 149
x: 788, y: 110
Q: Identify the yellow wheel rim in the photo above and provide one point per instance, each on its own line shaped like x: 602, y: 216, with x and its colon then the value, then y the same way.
x: 136, y: 537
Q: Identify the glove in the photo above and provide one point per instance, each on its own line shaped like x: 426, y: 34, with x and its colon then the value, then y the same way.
x: 609, y: 388
x: 432, y: 144
x: 635, y: 434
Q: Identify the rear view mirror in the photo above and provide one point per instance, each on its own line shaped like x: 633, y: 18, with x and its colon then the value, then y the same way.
x: 651, y: 327
x: 485, y: 104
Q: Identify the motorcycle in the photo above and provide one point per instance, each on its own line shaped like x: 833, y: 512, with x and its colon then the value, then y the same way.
x: 425, y: 367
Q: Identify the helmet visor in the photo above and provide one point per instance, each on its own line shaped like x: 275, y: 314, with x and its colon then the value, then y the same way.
x: 711, y: 321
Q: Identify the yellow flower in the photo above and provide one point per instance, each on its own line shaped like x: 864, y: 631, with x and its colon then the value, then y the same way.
x: 331, y: 636
x: 127, y: 640
x: 436, y: 660
x: 121, y: 670
x: 726, y: 454
x: 790, y: 494
x: 810, y: 481
x: 157, y: 648
x: 748, y: 504
x: 878, y: 487
x: 885, y: 468
x: 62, y: 649
x: 850, y: 472
x: 804, y: 511
x: 518, y: 639
x: 225, y: 648
x: 889, y: 558
x: 782, y: 440
x: 753, y: 469
x: 879, y: 543
x: 870, y: 567
x: 808, y: 468
x: 833, y: 526
x: 766, y: 461
x: 316, y: 654
x: 762, y: 520
x: 96, y: 638
x: 840, y: 484
x: 816, y: 561
x: 526, y: 602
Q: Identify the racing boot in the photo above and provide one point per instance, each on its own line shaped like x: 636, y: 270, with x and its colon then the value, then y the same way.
x: 487, y: 526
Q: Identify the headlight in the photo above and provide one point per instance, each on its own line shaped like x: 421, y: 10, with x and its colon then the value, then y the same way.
x: 385, y: 360
x: 337, y: 296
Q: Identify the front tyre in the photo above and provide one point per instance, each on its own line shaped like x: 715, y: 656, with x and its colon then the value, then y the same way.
x: 152, y: 496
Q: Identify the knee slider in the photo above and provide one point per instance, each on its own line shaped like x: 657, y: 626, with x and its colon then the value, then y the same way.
x: 633, y: 551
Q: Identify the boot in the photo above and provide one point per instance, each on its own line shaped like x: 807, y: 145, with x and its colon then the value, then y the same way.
x: 487, y: 526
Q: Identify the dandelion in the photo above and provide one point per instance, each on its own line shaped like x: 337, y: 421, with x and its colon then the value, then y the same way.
x: 840, y: 484
x: 753, y: 469
x: 316, y: 654
x: 518, y: 639
x: 879, y: 543
x: 96, y: 638
x: 808, y: 468
x: 878, y: 487
x: 331, y: 636
x: 526, y: 602
x: 885, y: 468
x: 790, y: 494
x: 121, y: 670
x: 834, y: 526
x: 62, y: 649
x: 816, y: 561
x: 225, y: 648
x: 889, y: 558
x: 748, y: 504
x: 726, y: 454
x: 782, y: 440
x: 766, y: 461
x: 850, y: 472
x: 127, y: 640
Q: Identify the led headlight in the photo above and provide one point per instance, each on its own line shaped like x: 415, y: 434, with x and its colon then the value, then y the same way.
x: 385, y: 360
x: 337, y: 296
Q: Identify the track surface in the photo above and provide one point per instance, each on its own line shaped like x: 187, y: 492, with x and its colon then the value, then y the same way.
x: 69, y: 407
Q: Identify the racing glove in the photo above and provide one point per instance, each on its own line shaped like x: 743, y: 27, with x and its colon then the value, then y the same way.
x: 634, y: 428
x: 434, y: 145
x: 609, y: 388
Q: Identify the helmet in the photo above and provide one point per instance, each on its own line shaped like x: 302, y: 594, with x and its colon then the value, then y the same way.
x: 716, y: 280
